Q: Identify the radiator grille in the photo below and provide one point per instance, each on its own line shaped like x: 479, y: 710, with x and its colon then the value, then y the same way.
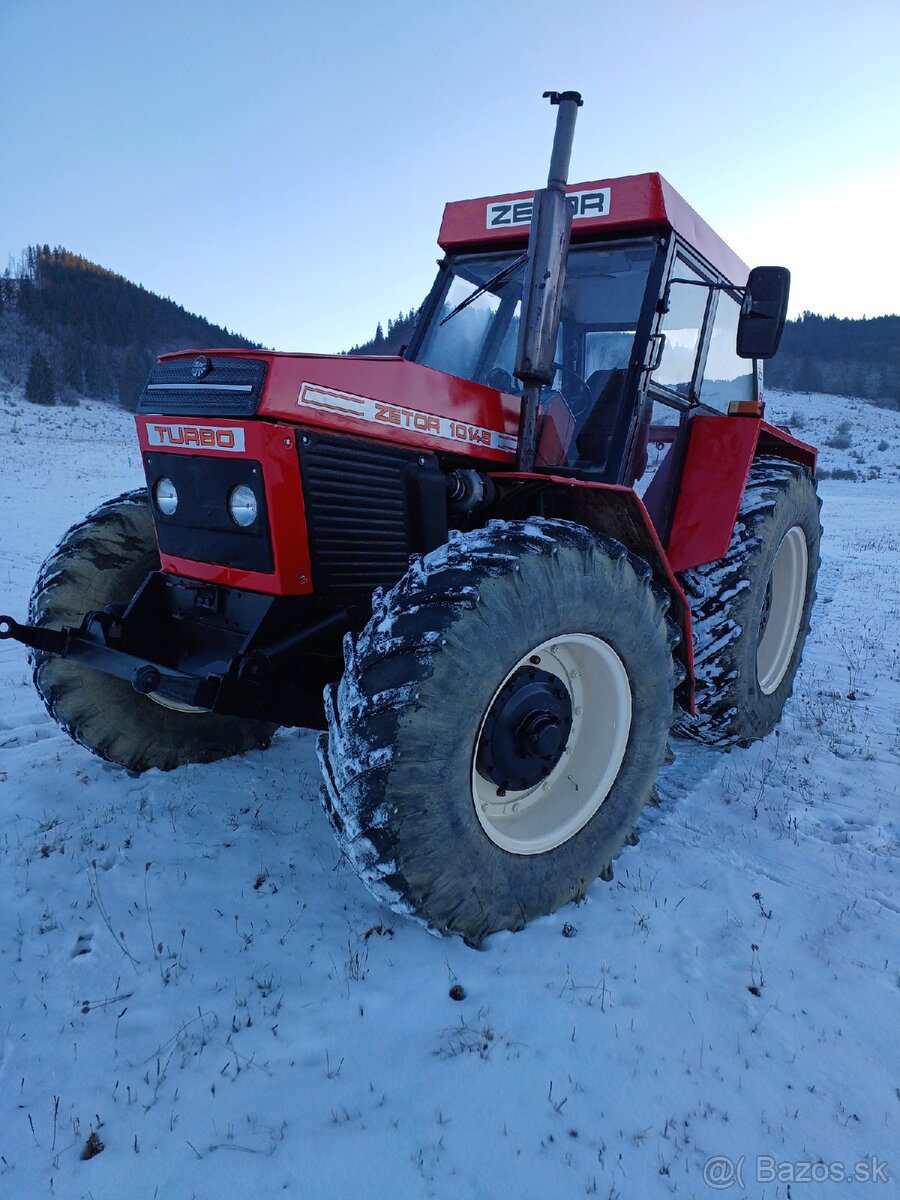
x: 172, y: 388
x: 357, y: 512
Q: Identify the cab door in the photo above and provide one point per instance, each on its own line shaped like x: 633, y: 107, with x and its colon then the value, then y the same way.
x: 671, y: 392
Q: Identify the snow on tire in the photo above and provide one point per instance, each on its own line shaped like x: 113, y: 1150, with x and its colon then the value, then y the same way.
x: 102, y: 561
x: 751, y: 609
x: 499, y: 724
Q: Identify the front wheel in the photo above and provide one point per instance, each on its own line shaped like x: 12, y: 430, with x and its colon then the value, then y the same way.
x: 499, y: 724
x: 102, y: 561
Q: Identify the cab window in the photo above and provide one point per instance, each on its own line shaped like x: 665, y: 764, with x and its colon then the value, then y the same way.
x: 681, y: 327
x: 725, y: 377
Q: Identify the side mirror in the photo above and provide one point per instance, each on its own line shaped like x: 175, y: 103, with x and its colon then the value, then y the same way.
x: 763, y: 312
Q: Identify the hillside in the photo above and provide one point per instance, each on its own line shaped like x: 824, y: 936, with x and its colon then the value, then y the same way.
x: 193, y: 973
x: 71, y: 329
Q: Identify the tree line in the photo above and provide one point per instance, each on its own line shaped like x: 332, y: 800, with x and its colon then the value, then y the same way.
x: 847, y: 356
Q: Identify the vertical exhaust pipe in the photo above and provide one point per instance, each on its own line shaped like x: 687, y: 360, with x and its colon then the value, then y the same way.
x: 545, y: 277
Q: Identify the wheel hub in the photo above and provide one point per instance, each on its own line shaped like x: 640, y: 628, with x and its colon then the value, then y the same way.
x: 526, y: 730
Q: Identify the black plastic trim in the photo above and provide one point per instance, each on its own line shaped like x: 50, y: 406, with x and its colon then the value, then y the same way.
x: 232, y: 387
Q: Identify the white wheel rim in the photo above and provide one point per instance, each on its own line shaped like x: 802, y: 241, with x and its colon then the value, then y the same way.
x: 542, y: 817
x: 787, y: 582
x: 174, y: 705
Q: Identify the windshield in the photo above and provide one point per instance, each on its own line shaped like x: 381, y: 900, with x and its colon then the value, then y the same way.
x: 600, y: 307
x: 474, y: 329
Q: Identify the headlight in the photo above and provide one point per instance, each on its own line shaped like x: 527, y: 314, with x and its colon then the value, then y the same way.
x: 242, y: 506
x: 166, y: 497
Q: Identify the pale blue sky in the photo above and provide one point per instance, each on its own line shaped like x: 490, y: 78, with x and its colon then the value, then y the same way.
x: 281, y: 168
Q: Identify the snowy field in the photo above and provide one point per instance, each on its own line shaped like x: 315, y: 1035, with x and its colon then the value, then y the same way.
x: 188, y: 972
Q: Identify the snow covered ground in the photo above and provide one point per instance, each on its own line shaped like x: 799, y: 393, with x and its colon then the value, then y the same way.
x: 189, y: 972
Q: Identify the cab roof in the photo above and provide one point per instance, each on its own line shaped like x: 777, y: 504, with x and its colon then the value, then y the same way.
x: 632, y: 204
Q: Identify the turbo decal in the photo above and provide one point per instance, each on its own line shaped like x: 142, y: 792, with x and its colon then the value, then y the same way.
x: 207, y: 437
x: 594, y: 203
x: 377, y: 413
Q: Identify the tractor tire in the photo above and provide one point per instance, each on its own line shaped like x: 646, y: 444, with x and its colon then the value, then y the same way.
x: 499, y: 724
x: 751, y: 609
x: 101, y: 561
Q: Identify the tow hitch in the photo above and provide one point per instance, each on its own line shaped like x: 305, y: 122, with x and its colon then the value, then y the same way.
x: 204, y: 649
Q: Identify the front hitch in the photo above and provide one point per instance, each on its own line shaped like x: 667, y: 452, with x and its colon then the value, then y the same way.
x: 89, y: 645
x: 49, y: 641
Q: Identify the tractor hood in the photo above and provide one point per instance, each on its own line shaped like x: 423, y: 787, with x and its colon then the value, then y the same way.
x: 388, y: 399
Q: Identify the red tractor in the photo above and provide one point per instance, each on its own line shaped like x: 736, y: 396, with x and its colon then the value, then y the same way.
x: 497, y: 571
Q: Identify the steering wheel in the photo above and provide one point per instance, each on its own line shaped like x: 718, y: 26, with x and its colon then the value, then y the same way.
x: 503, y: 382
x: 574, y: 390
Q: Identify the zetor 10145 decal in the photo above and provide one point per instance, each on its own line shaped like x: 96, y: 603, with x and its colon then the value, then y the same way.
x: 360, y: 408
x: 497, y: 572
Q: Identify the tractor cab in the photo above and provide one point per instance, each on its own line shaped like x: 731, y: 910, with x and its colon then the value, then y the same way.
x: 647, y: 337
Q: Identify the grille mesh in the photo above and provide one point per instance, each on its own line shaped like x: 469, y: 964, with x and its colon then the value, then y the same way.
x: 211, y: 401
x: 357, y: 513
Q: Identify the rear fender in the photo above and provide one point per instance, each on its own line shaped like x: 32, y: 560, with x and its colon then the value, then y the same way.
x: 616, y: 512
x: 719, y: 454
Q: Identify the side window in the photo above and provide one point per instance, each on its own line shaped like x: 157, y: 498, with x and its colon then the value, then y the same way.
x: 726, y: 377
x: 681, y: 325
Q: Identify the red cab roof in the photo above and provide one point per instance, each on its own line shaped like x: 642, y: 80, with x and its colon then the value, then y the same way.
x: 633, y: 204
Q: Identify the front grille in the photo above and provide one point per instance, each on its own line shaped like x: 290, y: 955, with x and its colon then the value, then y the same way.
x: 201, y: 529
x: 232, y: 388
x: 357, y: 501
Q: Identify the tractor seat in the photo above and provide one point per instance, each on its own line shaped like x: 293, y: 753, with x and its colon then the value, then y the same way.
x: 592, y: 439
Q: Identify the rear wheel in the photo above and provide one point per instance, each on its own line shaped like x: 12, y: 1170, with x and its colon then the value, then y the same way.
x: 499, y: 724
x: 103, y: 561
x: 751, y: 609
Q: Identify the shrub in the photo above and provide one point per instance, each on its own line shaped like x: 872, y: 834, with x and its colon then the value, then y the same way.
x: 844, y: 473
x: 882, y: 445
x: 797, y: 420
x: 840, y: 441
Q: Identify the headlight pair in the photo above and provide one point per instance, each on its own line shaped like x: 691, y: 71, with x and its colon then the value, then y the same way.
x: 242, y: 505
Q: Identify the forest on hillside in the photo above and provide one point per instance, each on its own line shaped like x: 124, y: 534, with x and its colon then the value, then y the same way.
x: 70, y: 328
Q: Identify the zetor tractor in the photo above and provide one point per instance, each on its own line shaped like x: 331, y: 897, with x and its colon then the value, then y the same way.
x: 498, y: 570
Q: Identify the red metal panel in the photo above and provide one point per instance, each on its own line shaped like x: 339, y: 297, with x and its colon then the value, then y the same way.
x: 275, y: 447
x: 773, y: 440
x: 393, y: 400
x: 637, y: 204
x: 719, y: 453
x: 635, y: 200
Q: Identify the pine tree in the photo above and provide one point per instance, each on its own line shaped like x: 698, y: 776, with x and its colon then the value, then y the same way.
x: 39, y: 386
